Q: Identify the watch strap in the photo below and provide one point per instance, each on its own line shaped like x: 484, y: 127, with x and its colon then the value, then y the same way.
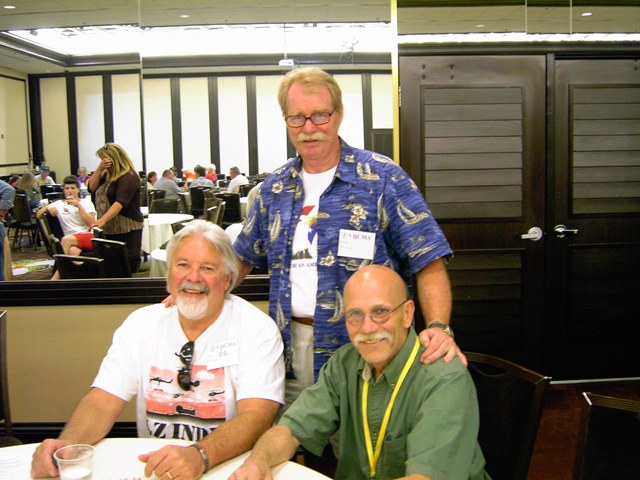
x: 442, y: 326
x: 203, y: 454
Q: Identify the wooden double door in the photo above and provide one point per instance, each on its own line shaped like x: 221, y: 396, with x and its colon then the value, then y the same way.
x: 531, y: 164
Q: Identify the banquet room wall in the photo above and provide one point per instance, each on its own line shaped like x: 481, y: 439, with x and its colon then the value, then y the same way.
x: 53, y: 355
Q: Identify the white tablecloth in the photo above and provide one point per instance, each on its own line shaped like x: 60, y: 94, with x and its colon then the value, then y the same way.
x: 158, y: 263
x: 157, y: 229
x: 243, y: 207
x: 117, y: 459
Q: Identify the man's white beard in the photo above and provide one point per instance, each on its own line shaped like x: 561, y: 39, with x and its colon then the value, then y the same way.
x: 192, y: 309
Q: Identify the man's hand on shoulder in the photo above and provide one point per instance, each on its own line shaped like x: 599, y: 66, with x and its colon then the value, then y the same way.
x: 42, y: 463
x: 252, y: 469
x: 180, y: 462
x: 439, y: 344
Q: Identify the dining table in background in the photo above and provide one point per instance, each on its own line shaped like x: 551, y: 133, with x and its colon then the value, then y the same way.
x: 117, y: 459
x: 157, y: 229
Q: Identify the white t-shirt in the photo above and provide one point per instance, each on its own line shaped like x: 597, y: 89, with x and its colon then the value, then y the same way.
x: 304, y: 274
x: 238, y: 357
x: 69, y: 215
x: 234, y: 183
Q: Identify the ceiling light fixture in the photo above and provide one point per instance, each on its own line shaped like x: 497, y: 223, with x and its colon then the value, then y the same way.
x: 587, y: 14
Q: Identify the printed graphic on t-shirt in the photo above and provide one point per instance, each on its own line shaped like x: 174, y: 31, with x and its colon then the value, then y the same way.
x: 189, y: 415
x: 305, y: 239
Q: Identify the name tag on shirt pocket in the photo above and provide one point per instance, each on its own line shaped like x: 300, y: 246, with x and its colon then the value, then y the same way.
x: 222, y: 354
x: 355, y: 244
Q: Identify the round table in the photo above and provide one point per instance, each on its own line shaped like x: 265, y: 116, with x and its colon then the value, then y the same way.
x: 157, y: 229
x: 158, y: 263
x: 117, y: 459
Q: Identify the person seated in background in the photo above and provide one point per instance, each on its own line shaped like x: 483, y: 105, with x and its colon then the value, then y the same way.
x: 83, y: 175
x: 237, y: 179
x: 374, y: 390
x: 75, y: 215
x: 44, y: 178
x: 168, y: 184
x: 152, y: 178
x: 216, y: 355
x: 234, y: 229
x: 28, y: 184
x: 188, y: 176
x: 13, y: 179
x: 7, y: 195
x: 201, y: 180
x: 211, y: 173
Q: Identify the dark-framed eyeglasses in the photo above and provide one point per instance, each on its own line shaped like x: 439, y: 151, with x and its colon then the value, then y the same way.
x: 184, y: 374
x: 379, y: 314
x: 318, y: 118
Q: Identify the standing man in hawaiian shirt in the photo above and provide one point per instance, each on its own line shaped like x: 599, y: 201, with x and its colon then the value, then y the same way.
x: 328, y: 212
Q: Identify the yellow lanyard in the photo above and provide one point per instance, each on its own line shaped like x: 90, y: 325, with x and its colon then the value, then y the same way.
x: 373, y: 457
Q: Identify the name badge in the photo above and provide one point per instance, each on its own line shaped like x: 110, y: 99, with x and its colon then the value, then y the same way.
x: 222, y: 354
x: 355, y: 244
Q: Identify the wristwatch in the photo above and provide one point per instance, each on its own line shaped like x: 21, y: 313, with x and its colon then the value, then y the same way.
x: 442, y: 326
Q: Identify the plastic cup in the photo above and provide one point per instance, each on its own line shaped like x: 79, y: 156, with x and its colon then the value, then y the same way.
x: 75, y: 462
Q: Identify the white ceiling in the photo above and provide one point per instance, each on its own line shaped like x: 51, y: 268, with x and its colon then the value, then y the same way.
x: 33, y: 14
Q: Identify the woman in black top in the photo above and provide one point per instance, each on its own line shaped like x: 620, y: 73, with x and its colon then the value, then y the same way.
x: 117, y: 197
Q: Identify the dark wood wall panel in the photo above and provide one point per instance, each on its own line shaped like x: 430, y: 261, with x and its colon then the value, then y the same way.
x: 605, y: 147
x: 473, y: 151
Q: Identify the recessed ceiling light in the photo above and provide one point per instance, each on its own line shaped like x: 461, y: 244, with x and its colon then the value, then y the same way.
x: 587, y: 14
x: 184, y: 16
x: 480, y: 26
x: 9, y: 7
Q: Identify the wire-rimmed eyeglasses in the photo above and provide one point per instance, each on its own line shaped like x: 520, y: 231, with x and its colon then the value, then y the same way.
x: 379, y: 314
x: 318, y: 118
x: 184, y: 374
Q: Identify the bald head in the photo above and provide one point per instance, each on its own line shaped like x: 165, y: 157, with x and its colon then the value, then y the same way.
x: 378, y: 279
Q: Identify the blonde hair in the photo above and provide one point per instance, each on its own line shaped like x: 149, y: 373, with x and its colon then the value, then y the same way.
x: 122, y: 164
x: 27, y: 181
x: 309, y: 76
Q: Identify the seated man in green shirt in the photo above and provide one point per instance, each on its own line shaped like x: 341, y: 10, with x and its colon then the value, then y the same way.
x: 419, y: 421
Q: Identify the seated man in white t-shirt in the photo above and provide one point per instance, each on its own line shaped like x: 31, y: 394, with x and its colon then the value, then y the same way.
x: 209, y: 369
x: 76, y: 215
x: 237, y: 179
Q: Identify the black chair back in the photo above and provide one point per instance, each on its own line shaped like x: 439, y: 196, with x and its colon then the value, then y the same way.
x: 144, y: 195
x: 184, y: 202
x: 223, y: 183
x: 23, y: 222
x: 197, y: 200
x: 164, y: 205
x: 510, y: 398
x: 221, y: 208
x: 245, y: 189
x: 115, y: 255
x: 76, y: 267
x: 155, y: 194
x: 609, y: 441
x: 53, y: 225
x: 232, y: 208
x: 177, y: 226
x: 53, y: 196
x: 53, y: 188
x: 51, y: 243
x: 211, y: 202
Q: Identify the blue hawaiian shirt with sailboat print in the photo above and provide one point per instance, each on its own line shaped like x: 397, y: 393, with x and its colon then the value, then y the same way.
x: 369, y: 193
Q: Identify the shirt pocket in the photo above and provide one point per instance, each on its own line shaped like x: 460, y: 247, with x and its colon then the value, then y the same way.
x: 394, y: 457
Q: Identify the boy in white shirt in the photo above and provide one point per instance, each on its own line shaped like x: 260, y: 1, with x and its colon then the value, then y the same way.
x: 76, y: 215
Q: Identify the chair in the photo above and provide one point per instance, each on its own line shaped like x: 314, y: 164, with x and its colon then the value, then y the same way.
x: 144, y: 195
x: 609, y: 441
x: 211, y: 193
x: 510, y: 398
x: 51, y: 188
x: 211, y: 214
x: 74, y: 267
x: 184, y: 202
x: 51, y: 242
x: 23, y: 223
x: 245, y: 189
x: 232, y: 209
x: 115, y: 255
x: 53, y: 196
x: 164, y: 205
x: 177, y: 226
x: 211, y: 201
x: 197, y: 200
x: 155, y: 194
x: 53, y: 224
x: 223, y: 183
x: 221, y: 208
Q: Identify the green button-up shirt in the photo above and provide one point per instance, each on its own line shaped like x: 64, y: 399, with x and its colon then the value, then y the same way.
x: 433, y: 427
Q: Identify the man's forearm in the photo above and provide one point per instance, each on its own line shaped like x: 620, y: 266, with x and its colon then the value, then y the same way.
x: 277, y: 445
x: 434, y: 292
x: 93, y: 417
x: 239, y: 434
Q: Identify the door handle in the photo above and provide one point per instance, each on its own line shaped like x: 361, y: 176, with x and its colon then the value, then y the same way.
x: 534, y: 234
x: 561, y: 230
